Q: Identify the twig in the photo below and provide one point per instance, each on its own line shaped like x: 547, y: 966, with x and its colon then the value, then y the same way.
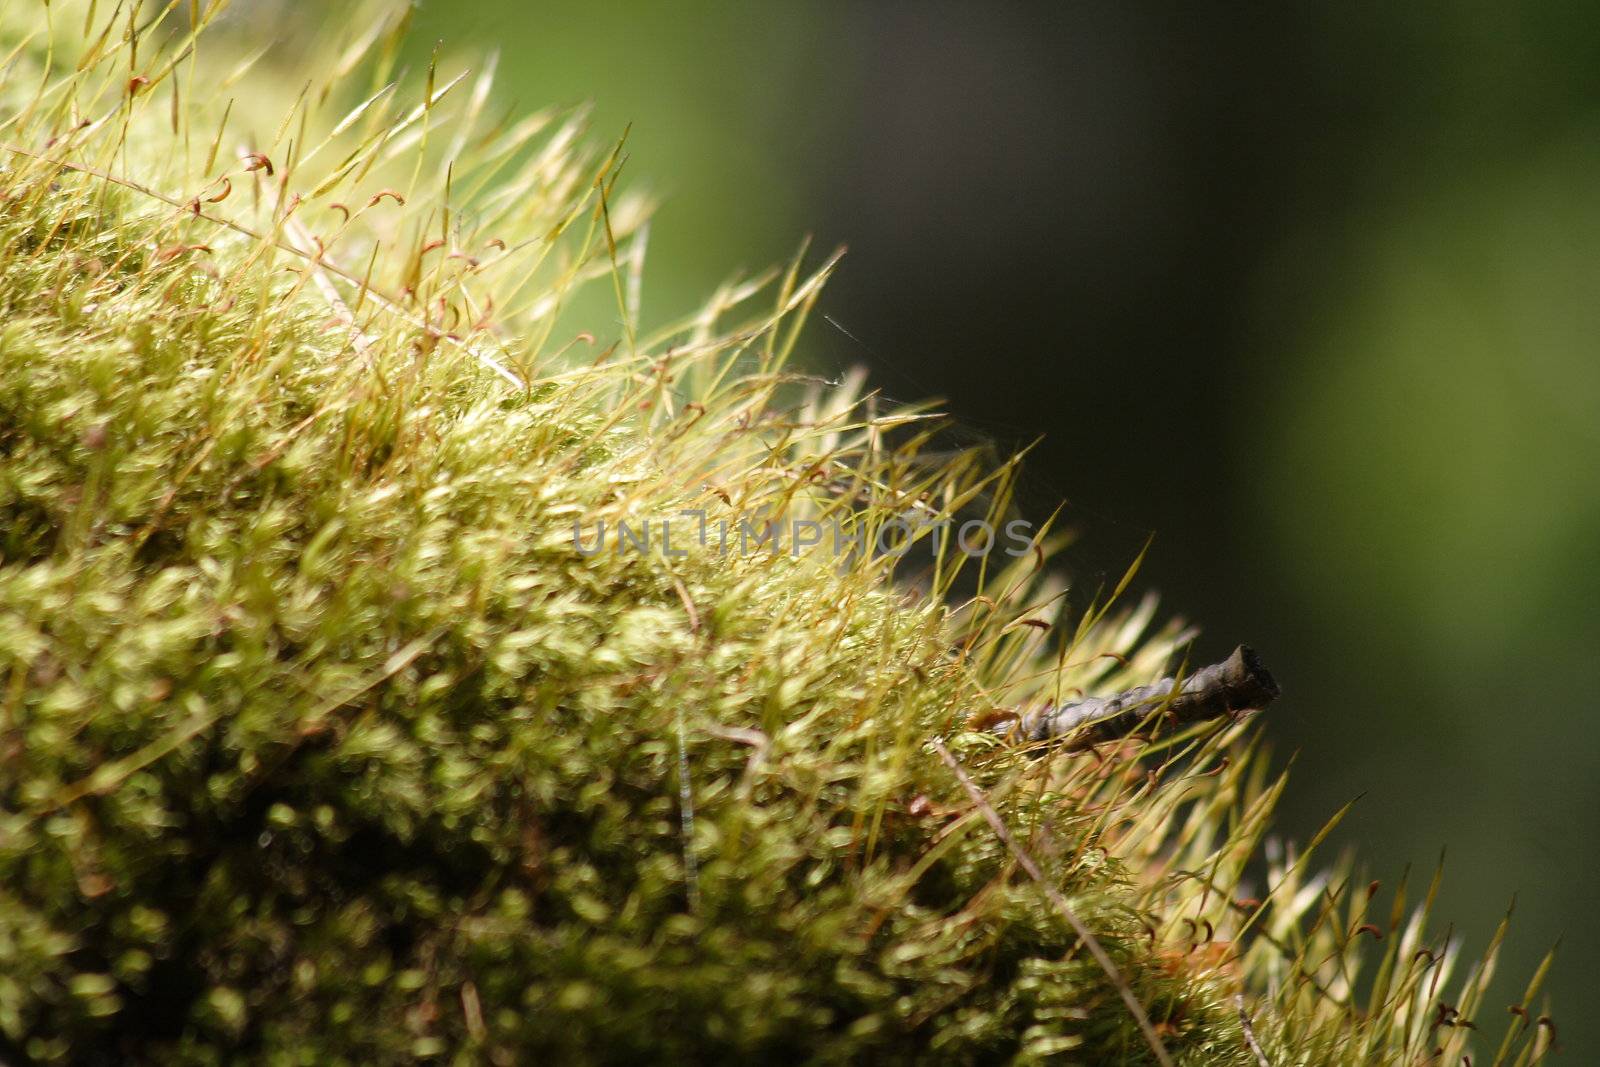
x: 1079, y: 927
x: 1238, y: 683
x: 1250, y: 1033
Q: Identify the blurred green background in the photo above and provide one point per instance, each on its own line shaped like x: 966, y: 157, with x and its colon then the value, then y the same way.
x: 1310, y: 292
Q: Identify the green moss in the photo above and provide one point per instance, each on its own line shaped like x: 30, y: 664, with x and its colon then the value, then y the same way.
x: 322, y: 742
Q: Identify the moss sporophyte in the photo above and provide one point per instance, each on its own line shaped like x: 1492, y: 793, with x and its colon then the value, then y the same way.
x: 324, y: 740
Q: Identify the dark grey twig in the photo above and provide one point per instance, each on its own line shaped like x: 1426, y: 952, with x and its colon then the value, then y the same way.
x: 1238, y: 683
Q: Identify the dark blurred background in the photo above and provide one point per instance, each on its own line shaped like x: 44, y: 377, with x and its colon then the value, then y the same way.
x: 1309, y: 291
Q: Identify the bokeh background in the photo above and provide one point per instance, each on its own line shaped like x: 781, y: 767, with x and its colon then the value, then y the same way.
x: 1309, y: 291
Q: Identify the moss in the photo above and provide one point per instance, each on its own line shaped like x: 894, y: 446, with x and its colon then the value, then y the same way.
x: 322, y: 741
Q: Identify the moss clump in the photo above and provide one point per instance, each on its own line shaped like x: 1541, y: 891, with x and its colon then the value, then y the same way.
x: 323, y: 741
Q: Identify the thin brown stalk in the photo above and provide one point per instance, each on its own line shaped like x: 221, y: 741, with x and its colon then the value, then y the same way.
x: 1079, y: 927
